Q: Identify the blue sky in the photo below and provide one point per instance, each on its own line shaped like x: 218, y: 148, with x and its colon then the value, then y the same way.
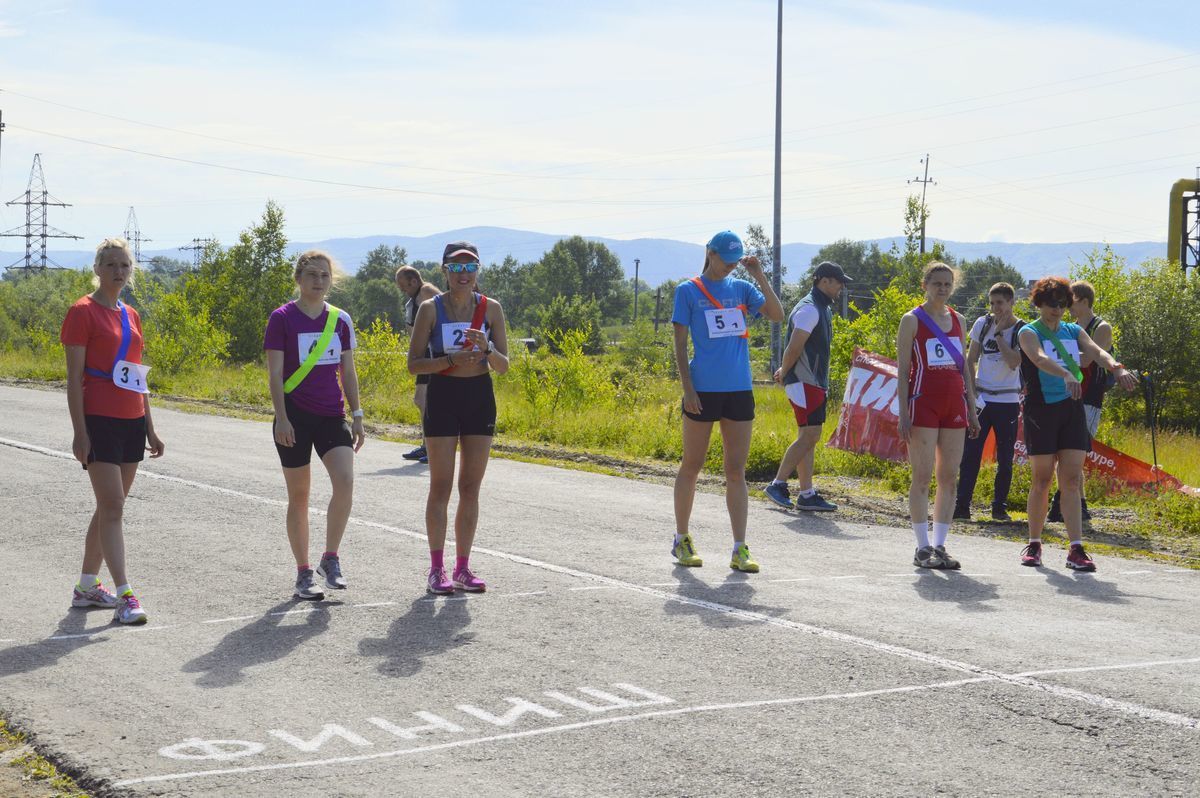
x: 1051, y: 121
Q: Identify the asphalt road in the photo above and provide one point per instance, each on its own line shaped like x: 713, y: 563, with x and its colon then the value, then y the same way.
x: 591, y: 667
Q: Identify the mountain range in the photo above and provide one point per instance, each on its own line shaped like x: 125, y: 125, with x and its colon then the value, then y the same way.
x: 660, y: 259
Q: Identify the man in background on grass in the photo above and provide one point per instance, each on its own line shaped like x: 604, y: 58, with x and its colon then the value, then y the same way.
x: 415, y: 290
x: 804, y: 375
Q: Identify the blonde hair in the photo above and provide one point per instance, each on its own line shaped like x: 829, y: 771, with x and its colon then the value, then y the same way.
x: 937, y: 266
x: 308, y: 257
x: 108, y: 245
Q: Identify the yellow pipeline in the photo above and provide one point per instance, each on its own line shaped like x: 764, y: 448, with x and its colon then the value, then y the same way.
x: 1176, y: 233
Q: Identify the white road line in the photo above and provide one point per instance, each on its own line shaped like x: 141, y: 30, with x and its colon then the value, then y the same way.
x: 520, y: 595
x: 592, y: 587
x: 376, y: 604
x: 297, y: 611
x: 228, y: 620
x: 1133, y: 573
x: 564, y: 727
x: 1102, y: 702
x: 854, y: 576
x: 445, y: 598
x: 1126, y: 666
x: 663, y: 584
x: 795, y: 579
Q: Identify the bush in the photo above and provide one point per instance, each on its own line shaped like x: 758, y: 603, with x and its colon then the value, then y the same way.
x: 178, y: 337
x: 564, y: 315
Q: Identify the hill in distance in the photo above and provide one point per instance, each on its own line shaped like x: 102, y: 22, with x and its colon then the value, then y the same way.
x: 661, y: 259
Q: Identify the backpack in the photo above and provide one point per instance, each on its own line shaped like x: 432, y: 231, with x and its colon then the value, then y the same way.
x: 1105, y: 378
x: 987, y: 325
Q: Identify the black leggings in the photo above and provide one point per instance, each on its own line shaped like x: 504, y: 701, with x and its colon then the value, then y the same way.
x: 1002, y: 417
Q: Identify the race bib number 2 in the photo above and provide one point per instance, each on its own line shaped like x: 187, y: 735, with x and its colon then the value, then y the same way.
x: 725, y: 322
x: 936, y: 353
x: 131, y: 376
x: 454, y: 335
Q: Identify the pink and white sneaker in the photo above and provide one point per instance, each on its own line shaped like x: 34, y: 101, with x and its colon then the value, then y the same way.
x: 438, y: 584
x: 465, y: 580
x: 96, y: 596
x: 129, y: 610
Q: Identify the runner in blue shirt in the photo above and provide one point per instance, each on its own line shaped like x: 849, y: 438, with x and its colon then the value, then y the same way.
x: 715, y: 311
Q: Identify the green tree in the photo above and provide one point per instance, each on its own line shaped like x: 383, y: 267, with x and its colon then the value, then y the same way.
x: 863, y: 262
x: 372, y: 294
x: 975, y: 277
x: 508, y: 283
x: 577, y: 267
x: 574, y: 314
x: 177, y: 337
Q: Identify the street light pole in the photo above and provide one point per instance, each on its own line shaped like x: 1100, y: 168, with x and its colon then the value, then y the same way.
x: 636, y: 282
x: 776, y: 268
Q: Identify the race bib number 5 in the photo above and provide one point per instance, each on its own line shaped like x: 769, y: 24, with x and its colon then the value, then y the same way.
x: 131, y: 376
x: 725, y: 322
x: 936, y: 353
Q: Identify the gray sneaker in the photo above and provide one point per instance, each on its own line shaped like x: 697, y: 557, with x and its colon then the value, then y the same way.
x: 306, y: 586
x: 331, y: 569
x: 814, y: 503
x: 927, y: 557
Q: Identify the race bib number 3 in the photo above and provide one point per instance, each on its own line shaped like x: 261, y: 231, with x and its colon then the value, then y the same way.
x: 330, y: 357
x: 936, y: 354
x: 454, y: 335
x: 725, y: 322
x: 131, y: 376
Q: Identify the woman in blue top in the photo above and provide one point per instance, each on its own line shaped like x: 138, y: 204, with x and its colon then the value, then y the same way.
x: 1056, y: 430
x: 715, y: 310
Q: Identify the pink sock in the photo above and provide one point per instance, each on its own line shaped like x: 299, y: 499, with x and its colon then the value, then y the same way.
x: 329, y: 554
x: 304, y: 567
x: 435, y: 559
x: 460, y: 563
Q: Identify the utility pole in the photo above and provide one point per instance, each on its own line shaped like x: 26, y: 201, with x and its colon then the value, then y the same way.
x: 37, y: 200
x: 197, y: 248
x: 1, y: 135
x: 636, y: 264
x: 776, y: 268
x: 925, y: 183
x: 133, y: 234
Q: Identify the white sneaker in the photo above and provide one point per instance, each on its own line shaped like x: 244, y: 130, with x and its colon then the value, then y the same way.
x: 96, y: 596
x: 129, y: 610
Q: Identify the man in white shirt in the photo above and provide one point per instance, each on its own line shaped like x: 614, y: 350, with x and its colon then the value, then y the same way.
x: 995, y: 353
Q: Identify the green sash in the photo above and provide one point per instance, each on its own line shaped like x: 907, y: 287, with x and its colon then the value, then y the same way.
x: 315, y: 353
x: 1071, y: 365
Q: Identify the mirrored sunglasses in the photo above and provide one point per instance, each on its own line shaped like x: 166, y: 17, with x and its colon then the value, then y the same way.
x: 459, y: 268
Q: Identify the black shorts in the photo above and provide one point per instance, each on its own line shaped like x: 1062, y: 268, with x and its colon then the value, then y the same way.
x: 716, y: 405
x: 312, y: 431
x: 457, y: 406
x: 1051, y: 428
x: 116, y: 440
x: 423, y: 379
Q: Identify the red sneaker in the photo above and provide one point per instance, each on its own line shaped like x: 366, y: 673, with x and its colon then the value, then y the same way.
x: 1078, y: 560
x: 1031, y: 555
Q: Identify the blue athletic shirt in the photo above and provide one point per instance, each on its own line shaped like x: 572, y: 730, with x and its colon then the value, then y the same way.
x: 1042, y: 388
x: 718, y: 364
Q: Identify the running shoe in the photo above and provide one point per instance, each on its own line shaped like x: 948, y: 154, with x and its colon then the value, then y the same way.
x: 961, y: 513
x: 465, y: 580
x: 438, y: 584
x: 96, y: 596
x: 814, y: 503
x: 685, y: 553
x: 129, y: 610
x: 1031, y: 555
x: 927, y: 557
x: 306, y: 586
x: 778, y: 493
x: 1001, y: 514
x: 331, y: 569
x: 1077, y: 559
x: 741, y: 560
x: 416, y: 454
x: 948, y: 562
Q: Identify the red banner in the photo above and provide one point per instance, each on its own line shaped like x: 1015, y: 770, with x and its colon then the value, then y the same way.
x: 870, y: 417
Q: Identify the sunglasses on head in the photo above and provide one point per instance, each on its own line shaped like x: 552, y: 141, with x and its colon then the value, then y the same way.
x: 459, y: 268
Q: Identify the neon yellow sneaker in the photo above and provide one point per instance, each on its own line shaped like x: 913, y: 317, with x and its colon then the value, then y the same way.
x: 741, y: 560
x: 684, y: 553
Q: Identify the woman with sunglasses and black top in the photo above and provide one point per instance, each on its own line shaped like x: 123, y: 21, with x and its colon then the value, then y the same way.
x: 458, y: 338
x: 1056, y: 432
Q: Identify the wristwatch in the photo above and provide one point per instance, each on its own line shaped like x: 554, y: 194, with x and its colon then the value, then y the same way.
x: 491, y: 346
x: 356, y: 413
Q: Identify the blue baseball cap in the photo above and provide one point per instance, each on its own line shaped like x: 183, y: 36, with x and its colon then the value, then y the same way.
x: 727, y: 245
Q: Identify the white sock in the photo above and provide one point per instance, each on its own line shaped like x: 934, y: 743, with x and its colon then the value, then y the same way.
x: 88, y: 581
x: 808, y: 494
x: 779, y: 482
x: 940, y: 533
x: 678, y: 537
x: 123, y: 589
x: 921, y: 530
x: 737, y: 544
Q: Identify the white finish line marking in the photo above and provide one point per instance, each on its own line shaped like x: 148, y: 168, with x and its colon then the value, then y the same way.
x: 1092, y: 699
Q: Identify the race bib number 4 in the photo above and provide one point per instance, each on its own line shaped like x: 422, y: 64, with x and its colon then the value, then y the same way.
x: 725, y: 322
x: 936, y: 354
x: 131, y: 376
x: 454, y: 335
x: 330, y: 357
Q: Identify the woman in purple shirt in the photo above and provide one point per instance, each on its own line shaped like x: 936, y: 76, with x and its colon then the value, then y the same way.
x: 307, y: 352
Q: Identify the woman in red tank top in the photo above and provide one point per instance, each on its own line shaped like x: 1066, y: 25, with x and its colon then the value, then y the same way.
x: 936, y: 403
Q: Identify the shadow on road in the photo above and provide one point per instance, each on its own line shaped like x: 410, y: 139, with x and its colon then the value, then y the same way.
x: 813, y: 524
x: 45, y: 652
x: 430, y: 628
x: 736, y: 591
x: 968, y: 593
x: 413, y: 469
x: 1086, y: 586
x: 268, y: 639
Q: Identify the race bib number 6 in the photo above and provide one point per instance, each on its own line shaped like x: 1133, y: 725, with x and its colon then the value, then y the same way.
x: 725, y: 322
x: 131, y: 376
x: 936, y: 353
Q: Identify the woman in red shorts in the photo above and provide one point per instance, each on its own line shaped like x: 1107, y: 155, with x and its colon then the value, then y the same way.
x: 936, y: 406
